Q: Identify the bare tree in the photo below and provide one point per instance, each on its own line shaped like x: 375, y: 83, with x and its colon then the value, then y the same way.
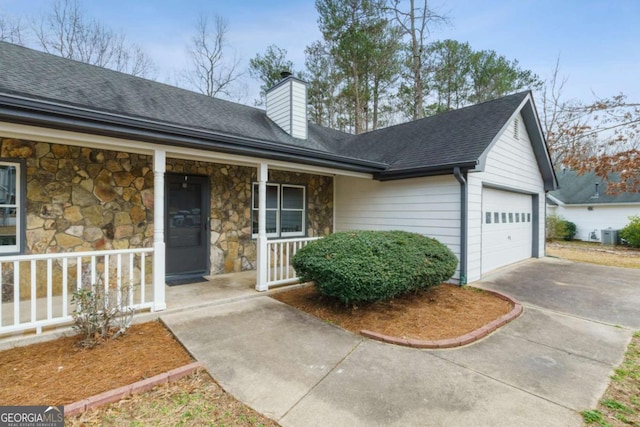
x: 67, y: 32
x: 415, y: 22
x: 11, y: 31
x: 602, y: 136
x: 554, y: 115
x: 211, y: 72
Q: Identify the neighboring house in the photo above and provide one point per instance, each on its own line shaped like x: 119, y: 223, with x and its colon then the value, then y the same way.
x: 149, y: 181
x: 584, y: 200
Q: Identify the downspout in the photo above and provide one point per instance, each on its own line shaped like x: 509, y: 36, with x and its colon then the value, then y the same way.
x: 463, y: 224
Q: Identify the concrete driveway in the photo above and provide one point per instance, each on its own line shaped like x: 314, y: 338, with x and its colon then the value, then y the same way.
x: 541, y: 369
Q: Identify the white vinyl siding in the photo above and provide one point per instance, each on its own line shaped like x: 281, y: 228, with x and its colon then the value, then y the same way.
x: 287, y: 107
x: 298, y: 110
x: 429, y: 206
x: 509, y: 164
x: 278, y: 107
x: 589, y: 223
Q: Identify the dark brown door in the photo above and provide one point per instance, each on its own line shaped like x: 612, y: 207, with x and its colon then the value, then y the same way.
x: 187, y: 219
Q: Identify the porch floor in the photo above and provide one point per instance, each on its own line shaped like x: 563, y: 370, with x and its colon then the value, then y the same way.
x: 215, y: 290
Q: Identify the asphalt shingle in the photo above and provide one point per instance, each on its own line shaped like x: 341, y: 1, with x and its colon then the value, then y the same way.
x: 458, y: 136
x: 581, y: 189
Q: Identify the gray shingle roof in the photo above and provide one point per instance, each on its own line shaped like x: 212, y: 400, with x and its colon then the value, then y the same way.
x: 27, y: 72
x: 452, y: 138
x: 580, y: 189
x: 458, y: 136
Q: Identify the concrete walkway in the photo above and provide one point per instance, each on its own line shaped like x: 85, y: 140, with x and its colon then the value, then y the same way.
x: 541, y: 369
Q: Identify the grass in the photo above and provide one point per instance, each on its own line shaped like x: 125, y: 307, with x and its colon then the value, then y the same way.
x: 620, y: 405
x: 595, y: 253
x: 194, y: 400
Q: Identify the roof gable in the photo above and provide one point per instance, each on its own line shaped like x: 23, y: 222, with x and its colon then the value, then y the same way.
x: 527, y: 111
x: 575, y: 189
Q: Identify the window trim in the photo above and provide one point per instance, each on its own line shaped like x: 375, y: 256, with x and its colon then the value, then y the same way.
x: 279, y: 209
x: 254, y: 194
x: 20, y: 203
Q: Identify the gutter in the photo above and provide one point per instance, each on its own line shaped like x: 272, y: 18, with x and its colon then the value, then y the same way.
x: 63, y: 117
x: 594, y: 204
x: 464, y: 189
x: 555, y: 200
x: 443, y: 169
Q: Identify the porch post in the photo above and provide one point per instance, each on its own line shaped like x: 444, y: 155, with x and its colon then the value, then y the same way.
x: 159, y: 167
x: 263, y: 176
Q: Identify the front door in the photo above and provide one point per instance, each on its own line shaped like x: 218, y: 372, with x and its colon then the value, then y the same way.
x: 186, y: 224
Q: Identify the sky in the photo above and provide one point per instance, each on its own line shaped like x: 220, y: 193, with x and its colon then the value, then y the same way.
x: 596, y: 41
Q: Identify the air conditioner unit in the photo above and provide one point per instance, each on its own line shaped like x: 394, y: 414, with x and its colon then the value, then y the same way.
x: 609, y: 237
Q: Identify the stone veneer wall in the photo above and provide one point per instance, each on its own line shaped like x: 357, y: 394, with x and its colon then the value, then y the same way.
x: 232, y: 248
x: 82, y: 199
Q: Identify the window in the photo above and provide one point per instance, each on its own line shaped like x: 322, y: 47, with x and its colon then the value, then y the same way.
x: 487, y: 218
x: 510, y: 216
x: 292, y: 211
x: 496, y: 217
x: 517, y: 216
x: 286, y: 210
x: 528, y: 217
x: 504, y: 217
x: 10, y: 207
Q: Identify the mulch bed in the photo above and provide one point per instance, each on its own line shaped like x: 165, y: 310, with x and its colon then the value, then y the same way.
x: 440, y: 312
x: 60, y: 372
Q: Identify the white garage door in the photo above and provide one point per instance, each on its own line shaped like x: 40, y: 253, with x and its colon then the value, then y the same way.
x: 507, y: 231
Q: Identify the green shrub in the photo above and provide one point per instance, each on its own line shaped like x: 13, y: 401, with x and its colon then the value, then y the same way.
x: 559, y: 228
x: 555, y: 227
x: 631, y: 232
x: 569, y: 230
x: 359, y: 266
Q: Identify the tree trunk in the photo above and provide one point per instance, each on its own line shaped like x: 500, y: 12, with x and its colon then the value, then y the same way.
x: 357, y: 117
x: 418, y: 109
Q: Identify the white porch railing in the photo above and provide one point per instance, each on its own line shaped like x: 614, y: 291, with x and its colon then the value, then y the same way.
x: 51, y: 279
x: 279, y: 256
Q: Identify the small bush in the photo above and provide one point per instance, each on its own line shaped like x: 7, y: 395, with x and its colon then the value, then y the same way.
x: 359, y: 266
x: 631, y: 232
x: 569, y: 230
x: 559, y: 228
x: 99, y: 314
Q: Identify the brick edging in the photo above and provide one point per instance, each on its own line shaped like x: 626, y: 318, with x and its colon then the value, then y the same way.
x: 116, y: 394
x: 454, y: 342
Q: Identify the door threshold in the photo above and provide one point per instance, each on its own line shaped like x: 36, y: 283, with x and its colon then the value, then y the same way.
x: 184, y: 279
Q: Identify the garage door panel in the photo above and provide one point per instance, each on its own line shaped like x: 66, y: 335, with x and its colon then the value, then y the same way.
x: 507, y: 231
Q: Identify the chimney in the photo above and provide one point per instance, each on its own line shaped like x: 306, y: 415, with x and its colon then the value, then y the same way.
x: 287, y: 105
